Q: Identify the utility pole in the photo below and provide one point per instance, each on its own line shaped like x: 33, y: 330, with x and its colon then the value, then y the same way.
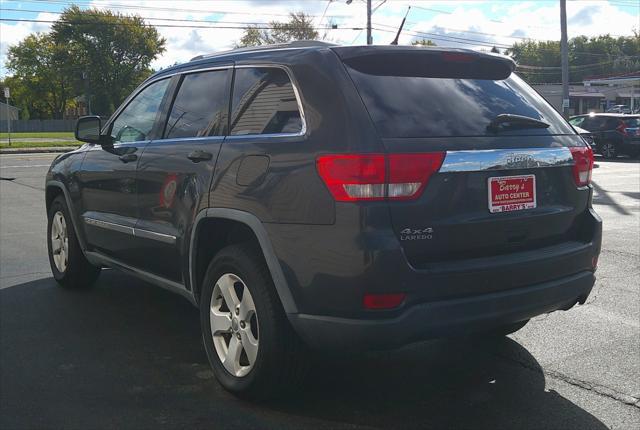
x: 564, y: 54
x: 369, y: 37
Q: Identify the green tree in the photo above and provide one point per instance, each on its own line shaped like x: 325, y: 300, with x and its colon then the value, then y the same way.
x: 539, y: 61
x: 41, y: 80
x: 423, y: 42
x: 110, y: 53
x: 299, y: 27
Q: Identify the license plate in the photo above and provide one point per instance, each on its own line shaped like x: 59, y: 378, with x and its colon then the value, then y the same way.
x: 512, y: 193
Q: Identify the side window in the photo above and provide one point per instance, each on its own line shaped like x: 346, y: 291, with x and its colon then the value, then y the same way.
x: 577, y: 121
x: 136, y: 120
x: 612, y: 123
x: 264, y: 102
x: 199, y: 107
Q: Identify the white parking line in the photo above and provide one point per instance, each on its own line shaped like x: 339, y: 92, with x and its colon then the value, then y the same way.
x: 25, y: 166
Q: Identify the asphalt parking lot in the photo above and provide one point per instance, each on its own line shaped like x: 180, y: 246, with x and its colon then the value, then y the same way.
x: 128, y: 355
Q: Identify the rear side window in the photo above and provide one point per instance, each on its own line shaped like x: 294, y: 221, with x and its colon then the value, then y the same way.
x: 264, y: 102
x: 418, y: 106
x: 632, y: 122
x: 199, y: 107
x: 594, y: 123
x: 577, y: 121
x: 612, y: 123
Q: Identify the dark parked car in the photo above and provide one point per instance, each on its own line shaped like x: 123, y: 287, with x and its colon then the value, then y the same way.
x: 312, y: 196
x: 586, y: 135
x: 614, y: 134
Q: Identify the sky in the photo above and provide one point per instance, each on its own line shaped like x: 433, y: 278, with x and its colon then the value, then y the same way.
x: 465, y: 24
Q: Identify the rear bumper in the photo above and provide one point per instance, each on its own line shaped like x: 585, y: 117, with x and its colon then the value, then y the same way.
x: 443, y: 318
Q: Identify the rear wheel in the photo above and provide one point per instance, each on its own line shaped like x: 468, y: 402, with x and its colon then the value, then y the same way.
x: 609, y: 150
x: 68, y: 264
x: 505, y: 329
x: 250, y: 345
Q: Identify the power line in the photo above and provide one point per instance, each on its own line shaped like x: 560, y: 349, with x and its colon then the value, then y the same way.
x: 444, y: 37
x: 119, y: 24
x: 87, y: 12
x: 155, y: 8
x: 579, y: 66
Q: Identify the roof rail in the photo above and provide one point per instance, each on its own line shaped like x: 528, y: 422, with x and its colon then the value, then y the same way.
x: 293, y: 44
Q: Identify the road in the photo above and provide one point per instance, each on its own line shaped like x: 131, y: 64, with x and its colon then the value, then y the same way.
x: 128, y: 355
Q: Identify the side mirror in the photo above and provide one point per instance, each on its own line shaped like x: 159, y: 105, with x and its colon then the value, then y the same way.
x: 88, y: 129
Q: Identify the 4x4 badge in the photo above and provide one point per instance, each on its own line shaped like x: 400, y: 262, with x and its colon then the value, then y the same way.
x: 416, y: 233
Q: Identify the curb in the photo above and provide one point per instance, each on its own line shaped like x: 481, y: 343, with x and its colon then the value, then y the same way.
x: 41, y: 150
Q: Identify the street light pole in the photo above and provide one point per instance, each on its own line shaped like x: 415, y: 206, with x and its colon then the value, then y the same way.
x: 7, y: 95
x: 564, y: 54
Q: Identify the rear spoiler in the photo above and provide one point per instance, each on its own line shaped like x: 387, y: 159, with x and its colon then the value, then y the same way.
x: 425, y: 62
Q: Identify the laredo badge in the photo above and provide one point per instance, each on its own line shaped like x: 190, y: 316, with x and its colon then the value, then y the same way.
x: 416, y: 234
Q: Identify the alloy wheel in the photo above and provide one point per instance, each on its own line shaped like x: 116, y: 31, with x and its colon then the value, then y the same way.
x: 609, y: 150
x: 234, y: 325
x: 59, y: 242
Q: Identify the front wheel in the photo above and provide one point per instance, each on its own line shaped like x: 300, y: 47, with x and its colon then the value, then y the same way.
x: 609, y: 150
x: 251, y: 347
x: 68, y: 264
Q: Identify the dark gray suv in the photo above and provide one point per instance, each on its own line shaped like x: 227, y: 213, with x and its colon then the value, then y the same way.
x: 312, y: 196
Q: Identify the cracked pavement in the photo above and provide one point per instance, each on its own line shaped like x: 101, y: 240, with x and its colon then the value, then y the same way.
x: 128, y: 355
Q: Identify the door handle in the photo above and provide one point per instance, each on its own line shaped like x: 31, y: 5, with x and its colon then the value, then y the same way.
x: 198, y: 155
x: 128, y: 157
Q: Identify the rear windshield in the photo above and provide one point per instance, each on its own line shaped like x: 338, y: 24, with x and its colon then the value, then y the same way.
x: 407, y: 106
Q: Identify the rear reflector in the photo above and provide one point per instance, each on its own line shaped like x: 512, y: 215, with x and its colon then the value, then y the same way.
x: 356, y: 177
x: 583, y: 167
x: 382, y: 301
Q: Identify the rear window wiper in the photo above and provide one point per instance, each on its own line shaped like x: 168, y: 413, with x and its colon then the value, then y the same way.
x: 506, y: 121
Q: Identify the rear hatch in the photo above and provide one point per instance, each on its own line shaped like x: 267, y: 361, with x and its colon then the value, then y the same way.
x: 507, y: 179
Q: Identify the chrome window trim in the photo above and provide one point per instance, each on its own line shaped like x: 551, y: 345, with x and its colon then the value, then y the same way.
x: 502, y: 159
x: 296, y: 92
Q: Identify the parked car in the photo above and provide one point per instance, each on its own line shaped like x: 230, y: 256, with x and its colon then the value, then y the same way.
x: 318, y: 197
x: 619, y: 109
x: 586, y: 135
x: 614, y: 134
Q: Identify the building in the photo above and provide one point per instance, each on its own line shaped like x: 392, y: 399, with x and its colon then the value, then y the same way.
x: 8, y: 112
x: 596, y: 94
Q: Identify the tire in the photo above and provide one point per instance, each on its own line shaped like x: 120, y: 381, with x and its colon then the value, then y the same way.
x: 609, y: 150
x: 68, y: 264
x: 504, y: 330
x: 274, y: 357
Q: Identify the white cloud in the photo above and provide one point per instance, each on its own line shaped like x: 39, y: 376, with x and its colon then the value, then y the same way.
x: 465, y: 21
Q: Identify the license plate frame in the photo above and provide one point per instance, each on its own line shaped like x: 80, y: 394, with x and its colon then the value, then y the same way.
x: 511, y: 193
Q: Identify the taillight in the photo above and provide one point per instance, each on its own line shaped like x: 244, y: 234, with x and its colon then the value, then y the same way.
x: 583, y: 164
x: 357, y: 177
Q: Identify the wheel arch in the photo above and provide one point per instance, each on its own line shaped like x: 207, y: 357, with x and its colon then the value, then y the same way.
x: 244, y: 227
x: 53, y: 189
